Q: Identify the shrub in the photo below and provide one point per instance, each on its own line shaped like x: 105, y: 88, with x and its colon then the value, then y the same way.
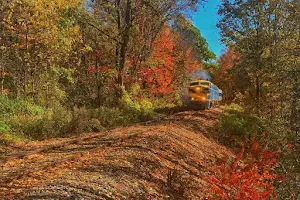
x: 37, y: 123
x: 108, y: 117
x: 93, y: 125
x: 4, y: 128
x: 279, y: 135
x: 237, y: 126
x: 253, y: 179
x: 22, y: 118
x: 9, y: 107
x: 128, y: 103
x: 60, y: 118
x: 11, y: 139
x: 147, y: 110
x: 130, y: 111
x: 81, y: 121
x: 31, y: 126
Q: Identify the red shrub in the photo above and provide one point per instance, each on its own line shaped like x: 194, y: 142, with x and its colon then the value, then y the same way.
x: 251, y: 179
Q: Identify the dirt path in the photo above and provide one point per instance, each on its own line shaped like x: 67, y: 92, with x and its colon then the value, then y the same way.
x: 165, y: 159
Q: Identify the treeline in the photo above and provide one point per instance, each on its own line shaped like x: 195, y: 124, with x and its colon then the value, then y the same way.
x: 83, y: 50
x: 261, y: 67
x: 260, y: 71
x: 125, y: 58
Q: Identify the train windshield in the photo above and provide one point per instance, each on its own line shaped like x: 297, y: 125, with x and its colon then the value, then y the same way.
x: 192, y: 91
x: 200, y: 90
x: 204, y: 83
x: 205, y: 90
x: 194, y: 83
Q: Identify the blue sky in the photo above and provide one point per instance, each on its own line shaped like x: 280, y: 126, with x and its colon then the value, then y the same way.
x: 205, y: 19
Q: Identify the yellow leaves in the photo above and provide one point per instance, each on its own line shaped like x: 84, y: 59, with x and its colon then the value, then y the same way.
x: 55, y: 5
x: 266, y: 53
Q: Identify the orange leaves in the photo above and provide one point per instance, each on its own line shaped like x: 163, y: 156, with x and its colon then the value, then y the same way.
x: 164, y: 48
x: 228, y: 59
x: 238, y: 158
x: 192, y: 64
x: 226, y: 63
x: 159, y: 74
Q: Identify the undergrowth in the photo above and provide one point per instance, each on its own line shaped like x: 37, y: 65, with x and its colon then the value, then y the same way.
x: 238, y: 128
x: 23, y: 119
x: 251, y: 176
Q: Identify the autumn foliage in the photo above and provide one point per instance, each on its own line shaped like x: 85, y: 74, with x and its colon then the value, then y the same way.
x: 224, y: 77
x: 251, y: 178
x: 158, y: 74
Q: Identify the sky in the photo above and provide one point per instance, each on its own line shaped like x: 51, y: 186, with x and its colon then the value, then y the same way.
x: 205, y: 19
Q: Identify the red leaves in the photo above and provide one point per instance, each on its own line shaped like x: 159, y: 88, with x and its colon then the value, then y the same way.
x: 213, y: 180
x: 92, y: 69
x: 99, y: 52
x: 291, y: 146
x: 238, y: 158
x: 159, y: 75
x: 252, y: 179
x: 228, y: 60
x: 103, y: 69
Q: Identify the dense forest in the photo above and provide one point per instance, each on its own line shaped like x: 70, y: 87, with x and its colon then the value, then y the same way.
x: 69, y: 67
x: 113, y: 61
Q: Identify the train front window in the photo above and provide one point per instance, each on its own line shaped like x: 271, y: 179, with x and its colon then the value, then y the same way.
x: 192, y: 91
x: 194, y: 83
x: 205, y: 90
x: 205, y: 83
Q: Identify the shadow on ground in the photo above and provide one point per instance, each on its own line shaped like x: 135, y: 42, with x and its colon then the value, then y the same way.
x: 168, y: 158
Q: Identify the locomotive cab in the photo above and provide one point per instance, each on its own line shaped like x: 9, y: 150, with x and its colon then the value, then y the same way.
x: 203, y: 93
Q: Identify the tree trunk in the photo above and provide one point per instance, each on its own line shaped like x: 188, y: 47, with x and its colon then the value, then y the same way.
x: 125, y: 41
x: 295, y: 116
x: 257, y: 93
x: 118, y: 6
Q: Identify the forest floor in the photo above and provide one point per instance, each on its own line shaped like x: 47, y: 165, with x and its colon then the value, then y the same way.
x: 169, y: 158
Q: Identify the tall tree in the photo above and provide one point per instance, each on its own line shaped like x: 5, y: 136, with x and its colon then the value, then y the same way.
x: 126, y: 19
x: 224, y: 76
x: 192, y: 38
x: 260, y: 32
x: 40, y: 38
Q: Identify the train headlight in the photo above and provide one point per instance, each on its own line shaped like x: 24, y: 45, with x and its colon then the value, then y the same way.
x: 197, y: 88
x: 203, y: 98
x: 192, y: 98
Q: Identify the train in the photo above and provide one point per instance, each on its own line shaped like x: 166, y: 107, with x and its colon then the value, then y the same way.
x: 204, y: 94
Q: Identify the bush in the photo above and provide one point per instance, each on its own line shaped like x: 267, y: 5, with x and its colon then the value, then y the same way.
x: 130, y: 111
x: 11, y: 139
x: 35, y: 122
x: 25, y: 119
x: 93, y: 125
x: 109, y: 117
x: 279, y: 135
x: 254, y: 179
x: 4, y: 128
x: 33, y: 127
x: 81, y: 121
x: 237, y: 126
x: 9, y: 107
x: 60, y: 118
x: 22, y: 118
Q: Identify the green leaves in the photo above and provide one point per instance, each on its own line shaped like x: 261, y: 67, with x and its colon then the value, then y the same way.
x: 193, y: 38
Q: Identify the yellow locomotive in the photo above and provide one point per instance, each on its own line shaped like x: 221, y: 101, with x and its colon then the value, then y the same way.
x: 204, y: 94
